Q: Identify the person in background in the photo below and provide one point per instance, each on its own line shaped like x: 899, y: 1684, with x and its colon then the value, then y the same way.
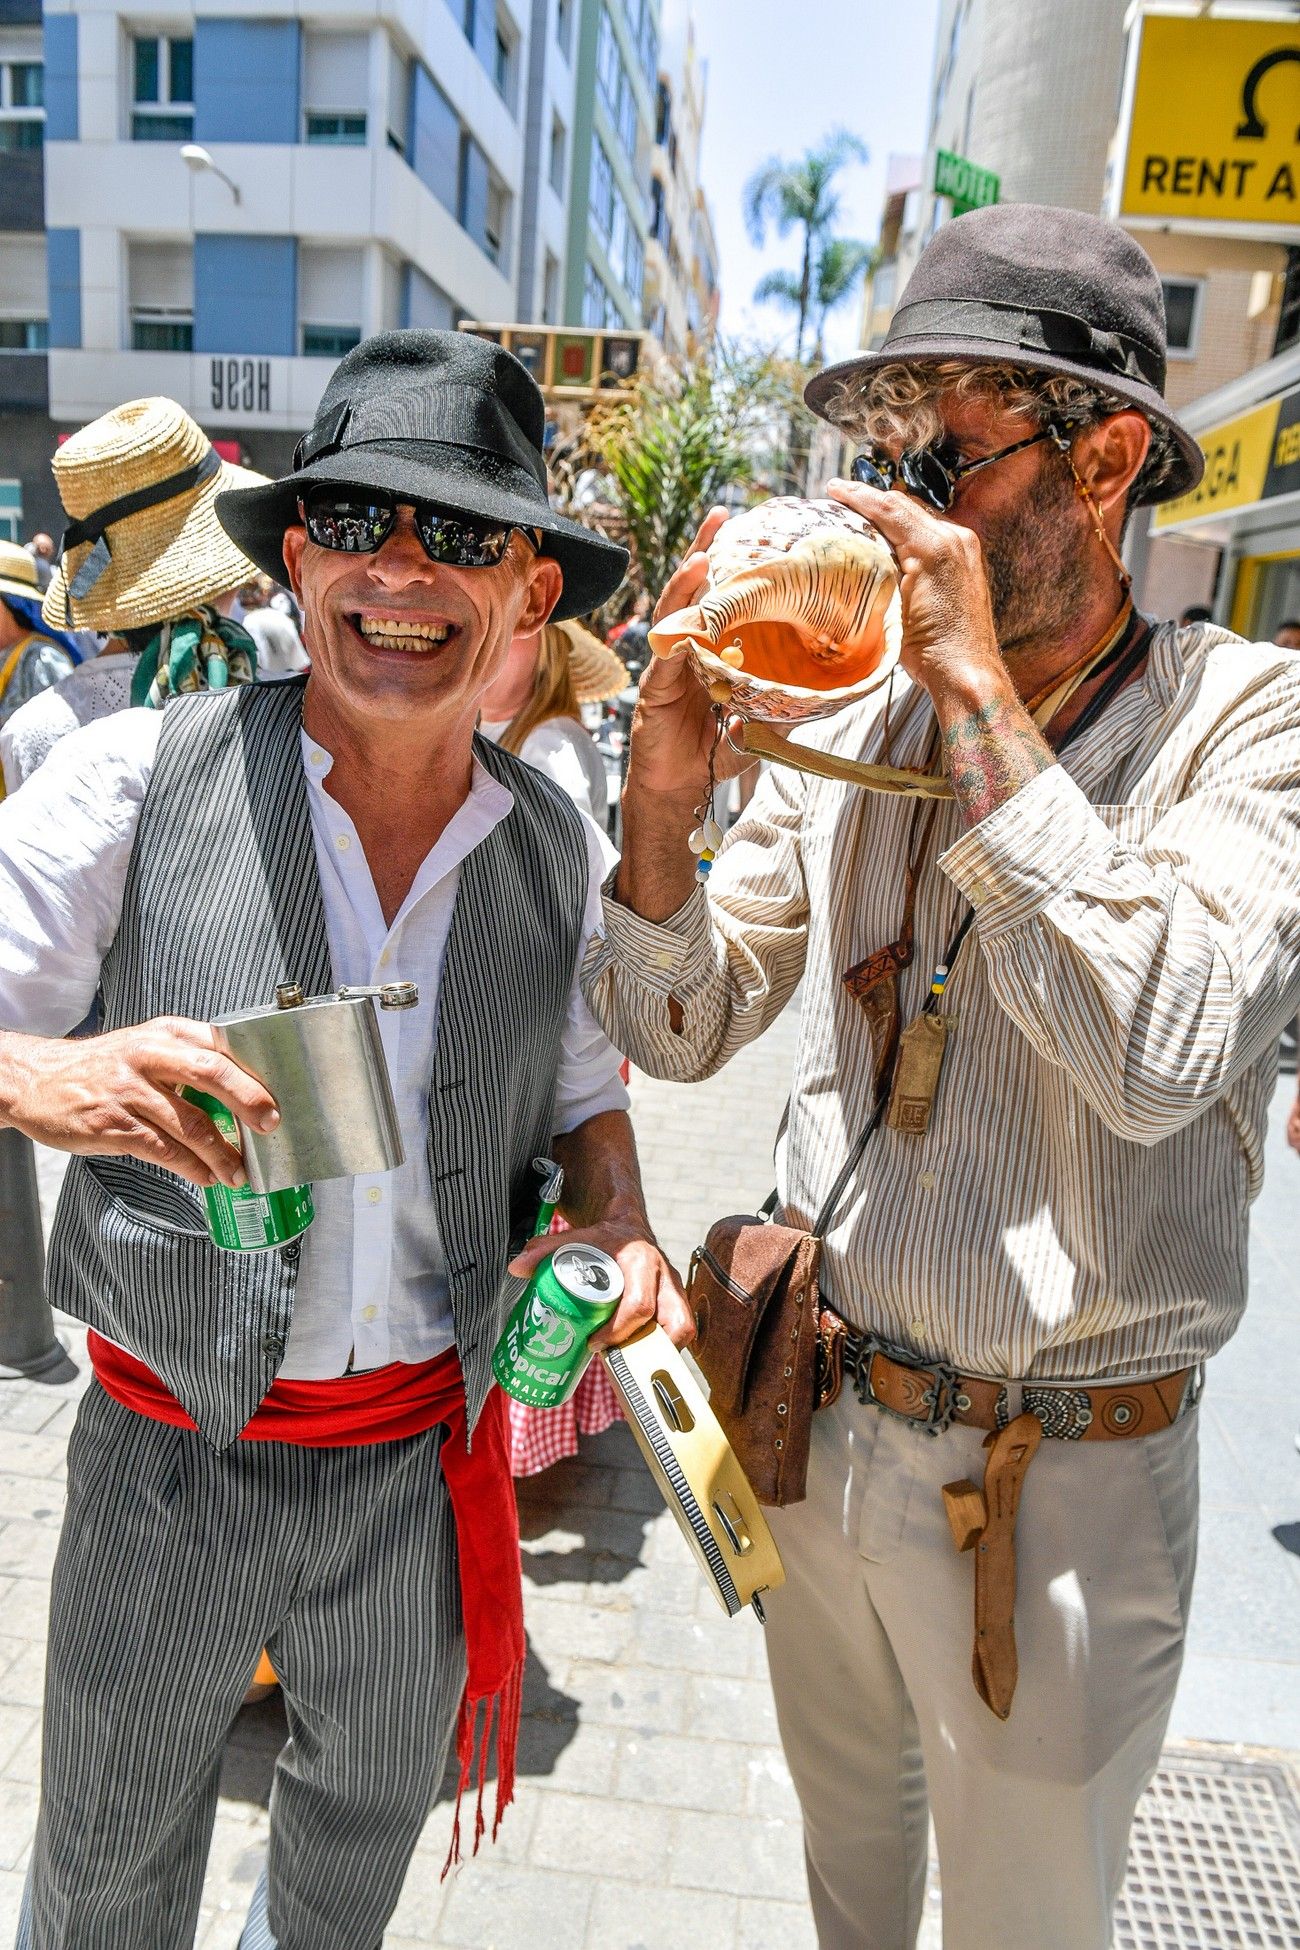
x: 534, y: 708
x: 162, y: 562
x: 41, y: 550
x: 33, y: 656
x: 280, y: 651
x: 1196, y: 613
x: 1287, y: 635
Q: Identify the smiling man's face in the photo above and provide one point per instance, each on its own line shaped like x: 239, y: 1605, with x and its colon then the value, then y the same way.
x: 395, y: 635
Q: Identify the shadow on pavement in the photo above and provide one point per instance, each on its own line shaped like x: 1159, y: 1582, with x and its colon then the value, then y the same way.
x: 1288, y: 1535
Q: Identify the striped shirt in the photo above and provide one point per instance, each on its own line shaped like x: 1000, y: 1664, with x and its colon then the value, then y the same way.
x: 1078, y: 1206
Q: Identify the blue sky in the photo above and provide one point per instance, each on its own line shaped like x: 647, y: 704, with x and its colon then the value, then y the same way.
x: 781, y: 74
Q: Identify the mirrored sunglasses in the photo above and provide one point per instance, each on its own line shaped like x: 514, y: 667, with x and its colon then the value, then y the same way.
x: 357, y: 522
x: 933, y: 474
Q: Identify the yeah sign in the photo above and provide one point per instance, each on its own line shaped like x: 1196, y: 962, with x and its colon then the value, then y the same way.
x: 1212, y: 135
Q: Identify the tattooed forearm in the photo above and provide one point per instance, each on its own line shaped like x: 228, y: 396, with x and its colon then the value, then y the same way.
x: 990, y: 754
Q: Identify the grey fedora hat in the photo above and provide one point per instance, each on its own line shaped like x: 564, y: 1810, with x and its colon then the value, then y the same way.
x: 1026, y: 284
x: 431, y: 416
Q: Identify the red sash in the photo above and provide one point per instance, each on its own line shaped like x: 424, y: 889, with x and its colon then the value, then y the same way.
x: 385, y: 1405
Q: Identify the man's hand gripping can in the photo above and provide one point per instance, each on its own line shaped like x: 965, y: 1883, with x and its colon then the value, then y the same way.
x: 245, y: 1221
x: 541, y: 1356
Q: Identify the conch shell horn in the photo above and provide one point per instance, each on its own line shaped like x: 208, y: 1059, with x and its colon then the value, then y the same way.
x: 801, y: 617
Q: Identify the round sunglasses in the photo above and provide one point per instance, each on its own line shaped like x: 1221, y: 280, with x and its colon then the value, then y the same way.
x: 359, y: 521
x: 933, y: 474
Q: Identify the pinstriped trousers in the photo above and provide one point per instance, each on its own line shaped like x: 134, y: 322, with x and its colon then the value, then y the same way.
x: 175, y: 1566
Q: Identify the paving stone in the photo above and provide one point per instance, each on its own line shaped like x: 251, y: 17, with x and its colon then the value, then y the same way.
x: 17, y: 1822
x: 730, y: 1709
x: 575, y: 1630
x: 632, y: 1916
x: 679, y: 1773
x: 11, y: 1895
x: 542, y: 1908
x: 24, y: 1608
x: 769, y: 1790
x: 23, y: 1761
x: 603, y: 1836
x: 27, y: 1549
x: 718, y: 1645
x: 33, y: 1498
x: 24, y: 1679
x: 17, y: 1724
x: 638, y: 1697
x: 776, y: 1926
x: 33, y: 1455
x: 742, y: 1855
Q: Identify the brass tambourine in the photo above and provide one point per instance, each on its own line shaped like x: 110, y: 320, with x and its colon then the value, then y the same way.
x: 696, y: 1469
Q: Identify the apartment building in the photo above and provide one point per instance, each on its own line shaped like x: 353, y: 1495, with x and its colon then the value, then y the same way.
x: 234, y: 197
x: 617, y: 80
x: 680, y: 297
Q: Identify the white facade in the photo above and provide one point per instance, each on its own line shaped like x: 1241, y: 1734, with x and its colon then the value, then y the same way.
x: 367, y: 244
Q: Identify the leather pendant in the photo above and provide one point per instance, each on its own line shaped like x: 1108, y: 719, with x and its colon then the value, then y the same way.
x: 873, y: 984
x: 921, y: 1050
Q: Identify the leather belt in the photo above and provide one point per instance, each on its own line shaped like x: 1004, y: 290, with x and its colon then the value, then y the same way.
x: 932, y: 1396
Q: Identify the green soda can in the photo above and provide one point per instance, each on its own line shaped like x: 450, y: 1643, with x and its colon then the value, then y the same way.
x: 245, y: 1221
x: 541, y: 1356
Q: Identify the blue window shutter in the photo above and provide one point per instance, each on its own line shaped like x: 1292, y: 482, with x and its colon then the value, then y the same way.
x: 474, y: 192
x: 246, y: 294
x: 246, y: 80
x: 435, y: 138
x: 63, y: 271
x: 62, y: 120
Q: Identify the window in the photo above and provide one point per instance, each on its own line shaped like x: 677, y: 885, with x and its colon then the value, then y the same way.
x: 598, y: 307
x: 162, y: 107
x: 498, y: 218
x: 330, y: 300
x: 22, y: 105
x: 329, y: 341
x: 559, y: 146
x: 564, y: 27
x: 1183, y: 315
x: 602, y: 189
x: 663, y: 113
x: 399, y: 99
x: 11, y: 510
x: 501, y: 65
x: 1288, y: 321
x: 161, y: 283
x: 24, y: 335
x: 551, y: 291
x: 336, y: 128
x: 334, y: 75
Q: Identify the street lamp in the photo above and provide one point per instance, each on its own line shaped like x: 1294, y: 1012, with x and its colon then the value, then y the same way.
x: 197, y: 158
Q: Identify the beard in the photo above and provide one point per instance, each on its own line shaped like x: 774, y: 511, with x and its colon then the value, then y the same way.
x: 1035, y: 559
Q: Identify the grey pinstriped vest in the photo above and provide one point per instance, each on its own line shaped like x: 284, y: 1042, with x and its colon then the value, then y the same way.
x: 222, y: 902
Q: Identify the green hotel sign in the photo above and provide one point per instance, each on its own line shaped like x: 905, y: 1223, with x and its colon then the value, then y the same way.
x: 969, y: 186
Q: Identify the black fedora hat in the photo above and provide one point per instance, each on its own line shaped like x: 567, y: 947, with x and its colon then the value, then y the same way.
x: 1030, y: 285
x: 431, y: 416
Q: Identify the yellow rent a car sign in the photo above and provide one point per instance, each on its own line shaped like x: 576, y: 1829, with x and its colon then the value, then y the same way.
x: 1214, y: 125
x: 1254, y: 458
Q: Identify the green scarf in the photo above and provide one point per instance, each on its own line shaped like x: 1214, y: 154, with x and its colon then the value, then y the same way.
x: 201, y: 651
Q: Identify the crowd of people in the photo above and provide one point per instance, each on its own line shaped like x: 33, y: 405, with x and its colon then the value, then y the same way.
x: 328, y: 730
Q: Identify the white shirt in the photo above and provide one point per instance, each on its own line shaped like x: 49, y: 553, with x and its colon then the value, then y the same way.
x: 279, y: 647
x: 93, y: 690
x: 566, y: 751
x: 371, y: 1282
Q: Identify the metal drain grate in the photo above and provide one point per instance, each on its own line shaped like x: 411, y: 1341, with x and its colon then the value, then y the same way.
x: 1214, y: 1860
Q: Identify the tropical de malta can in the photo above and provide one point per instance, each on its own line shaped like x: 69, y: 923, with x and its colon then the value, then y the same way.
x: 245, y: 1221
x: 540, y: 1357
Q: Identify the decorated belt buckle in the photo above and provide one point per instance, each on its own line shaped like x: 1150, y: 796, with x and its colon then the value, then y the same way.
x: 929, y: 1408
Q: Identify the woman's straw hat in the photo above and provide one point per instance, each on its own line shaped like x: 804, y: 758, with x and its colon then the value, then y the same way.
x: 597, y: 673
x: 142, y: 541
x: 18, y: 573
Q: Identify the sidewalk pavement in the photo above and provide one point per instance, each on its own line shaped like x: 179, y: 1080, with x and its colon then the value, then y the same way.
x: 654, y: 1809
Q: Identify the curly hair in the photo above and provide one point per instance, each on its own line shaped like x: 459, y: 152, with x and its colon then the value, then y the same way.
x: 897, y: 405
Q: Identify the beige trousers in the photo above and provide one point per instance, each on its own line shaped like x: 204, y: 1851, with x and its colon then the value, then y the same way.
x: 869, y: 1644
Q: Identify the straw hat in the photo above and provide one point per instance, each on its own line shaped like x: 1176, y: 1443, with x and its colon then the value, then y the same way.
x: 597, y: 673
x: 18, y: 573
x: 142, y: 541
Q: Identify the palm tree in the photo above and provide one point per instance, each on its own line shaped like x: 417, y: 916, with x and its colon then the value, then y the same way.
x: 691, y: 430
x: 841, y: 263
x: 800, y: 195
x: 841, y: 266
